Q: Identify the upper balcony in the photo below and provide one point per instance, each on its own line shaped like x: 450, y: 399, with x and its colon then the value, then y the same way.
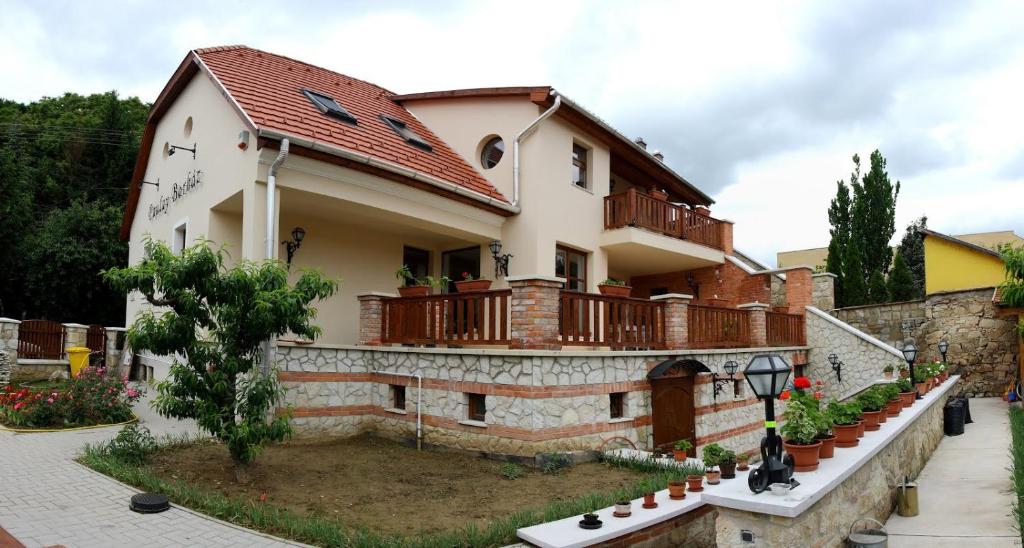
x: 648, y: 230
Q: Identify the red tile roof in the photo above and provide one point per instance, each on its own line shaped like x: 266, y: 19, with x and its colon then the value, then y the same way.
x: 268, y: 88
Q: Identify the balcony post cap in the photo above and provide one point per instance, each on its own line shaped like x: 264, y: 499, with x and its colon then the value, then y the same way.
x: 375, y: 295
x: 754, y: 306
x: 535, y: 277
x: 672, y: 296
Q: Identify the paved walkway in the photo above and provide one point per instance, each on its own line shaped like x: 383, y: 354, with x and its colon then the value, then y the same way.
x: 965, y: 490
x: 47, y: 499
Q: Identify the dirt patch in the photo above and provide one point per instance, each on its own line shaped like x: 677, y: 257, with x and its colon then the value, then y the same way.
x: 384, y: 486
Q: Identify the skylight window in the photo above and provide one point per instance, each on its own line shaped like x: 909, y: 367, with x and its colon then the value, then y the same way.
x: 327, y: 105
x: 404, y: 132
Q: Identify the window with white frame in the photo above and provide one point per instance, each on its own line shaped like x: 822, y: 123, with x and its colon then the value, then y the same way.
x: 579, y: 165
x: 180, y: 238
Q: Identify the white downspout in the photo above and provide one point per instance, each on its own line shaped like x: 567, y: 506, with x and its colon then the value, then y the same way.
x: 271, y: 237
x: 522, y: 137
x: 419, y: 403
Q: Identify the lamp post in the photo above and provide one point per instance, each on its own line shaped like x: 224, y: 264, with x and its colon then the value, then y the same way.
x: 910, y: 354
x: 837, y: 366
x: 943, y: 348
x: 730, y: 368
x: 767, y: 375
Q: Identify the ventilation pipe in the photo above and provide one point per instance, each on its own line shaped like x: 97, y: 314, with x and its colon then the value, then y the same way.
x: 522, y: 137
x: 271, y: 237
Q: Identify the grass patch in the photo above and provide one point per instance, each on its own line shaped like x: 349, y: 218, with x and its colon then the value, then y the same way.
x: 1017, y: 464
x: 324, y: 531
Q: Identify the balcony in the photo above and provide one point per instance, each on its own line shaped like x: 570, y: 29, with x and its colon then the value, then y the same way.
x: 636, y: 209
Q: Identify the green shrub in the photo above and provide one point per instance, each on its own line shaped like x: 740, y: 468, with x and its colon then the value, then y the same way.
x: 904, y: 385
x: 554, y: 463
x: 872, y: 399
x: 1017, y: 465
x: 93, y: 397
x: 511, y: 471
x: 842, y: 413
x: 713, y: 454
x: 132, y: 444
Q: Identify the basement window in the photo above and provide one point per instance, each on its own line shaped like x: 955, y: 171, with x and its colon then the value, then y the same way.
x: 405, y: 133
x: 477, y: 407
x: 617, y: 405
x: 327, y: 105
x: 397, y: 396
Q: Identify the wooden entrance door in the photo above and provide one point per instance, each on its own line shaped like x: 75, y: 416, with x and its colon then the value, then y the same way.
x: 672, y: 410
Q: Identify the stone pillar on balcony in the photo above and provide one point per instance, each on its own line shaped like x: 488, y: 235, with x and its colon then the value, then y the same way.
x: 799, y: 289
x: 535, y: 305
x: 758, y: 322
x: 726, y: 227
x: 371, y: 318
x: 824, y: 293
x: 677, y: 335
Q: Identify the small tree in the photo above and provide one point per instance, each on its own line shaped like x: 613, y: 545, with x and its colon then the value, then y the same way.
x: 901, y: 281
x: 877, y: 290
x: 214, y: 320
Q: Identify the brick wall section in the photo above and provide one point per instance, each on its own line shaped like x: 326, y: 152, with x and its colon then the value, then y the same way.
x: 799, y: 289
x: 732, y: 285
x: 676, y: 318
x: 726, y: 227
x: 694, y: 529
x: 371, y: 309
x: 535, y: 305
x: 758, y: 323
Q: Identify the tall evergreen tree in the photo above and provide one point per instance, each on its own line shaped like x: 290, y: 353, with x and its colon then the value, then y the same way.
x: 839, y: 218
x: 854, y: 286
x: 901, y: 281
x: 834, y: 265
x: 877, y: 290
x: 912, y: 249
x: 873, y: 217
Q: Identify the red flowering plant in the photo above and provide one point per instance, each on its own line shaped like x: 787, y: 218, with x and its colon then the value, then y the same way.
x: 467, y: 277
x: 804, y: 401
x: 93, y: 397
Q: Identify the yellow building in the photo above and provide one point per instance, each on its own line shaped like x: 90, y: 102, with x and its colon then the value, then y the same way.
x: 952, y: 264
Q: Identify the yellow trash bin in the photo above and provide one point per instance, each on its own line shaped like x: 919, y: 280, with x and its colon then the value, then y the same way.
x: 79, y: 358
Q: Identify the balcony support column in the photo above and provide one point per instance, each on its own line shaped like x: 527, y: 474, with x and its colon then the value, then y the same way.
x: 676, y: 319
x: 371, y: 318
x: 758, y: 323
x: 535, y: 306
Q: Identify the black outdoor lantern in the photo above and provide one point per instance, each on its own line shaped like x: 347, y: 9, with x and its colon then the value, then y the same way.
x: 943, y: 348
x: 767, y: 375
x: 500, y: 261
x: 171, y: 149
x: 298, y: 234
x: 730, y: 368
x: 910, y: 354
x: 837, y: 366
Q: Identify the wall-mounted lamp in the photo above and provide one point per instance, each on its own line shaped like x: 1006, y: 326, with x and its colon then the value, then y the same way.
x: 730, y: 368
x: 298, y: 233
x: 174, y: 148
x: 500, y: 261
x: 837, y: 366
x: 156, y: 184
x: 943, y: 348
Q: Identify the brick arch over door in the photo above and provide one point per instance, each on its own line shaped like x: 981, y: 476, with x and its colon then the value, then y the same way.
x: 672, y: 401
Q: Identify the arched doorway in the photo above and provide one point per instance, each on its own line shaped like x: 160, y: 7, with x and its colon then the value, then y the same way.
x: 672, y: 401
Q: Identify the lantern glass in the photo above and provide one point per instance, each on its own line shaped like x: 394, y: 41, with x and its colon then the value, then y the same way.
x: 767, y: 375
x: 943, y: 347
x: 910, y: 352
x: 731, y: 367
x: 833, y: 359
x: 298, y: 234
x: 495, y: 247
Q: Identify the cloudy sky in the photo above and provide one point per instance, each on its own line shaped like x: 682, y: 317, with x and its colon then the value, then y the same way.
x: 761, y: 104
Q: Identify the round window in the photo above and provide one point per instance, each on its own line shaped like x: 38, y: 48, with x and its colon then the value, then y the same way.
x: 492, y: 152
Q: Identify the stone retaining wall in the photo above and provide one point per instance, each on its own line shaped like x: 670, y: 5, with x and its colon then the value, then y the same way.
x: 863, y: 356
x: 694, y: 529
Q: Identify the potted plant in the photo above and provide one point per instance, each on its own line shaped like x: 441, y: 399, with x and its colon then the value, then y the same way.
x: 743, y: 462
x: 408, y: 285
x: 614, y: 288
x: 712, y: 455
x: 681, y: 448
x: 826, y: 437
x: 871, y: 404
x: 622, y: 509
x: 658, y: 194
x: 727, y: 463
x: 920, y: 381
x: 843, y: 417
x: 887, y: 371
x: 649, y: 499
x: 471, y: 283
x: 904, y: 370
x: 894, y: 403
x: 800, y: 434
x: 906, y: 392
x: 677, y: 490
x: 694, y: 483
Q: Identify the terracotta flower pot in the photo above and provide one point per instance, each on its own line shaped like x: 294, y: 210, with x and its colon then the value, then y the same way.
x: 743, y: 465
x: 649, y: 499
x: 846, y: 435
x: 694, y: 484
x: 894, y: 407
x: 828, y: 447
x: 677, y: 490
x: 887, y: 374
x: 922, y: 388
x: 904, y: 373
x: 467, y: 286
x: 679, y: 455
x: 908, y: 399
x: 882, y: 416
x: 871, y: 420
x: 414, y: 291
x: 728, y: 470
x: 805, y: 457
x: 714, y: 476
x: 860, y: 427
x: 615, y: 290
x: 659, y: 195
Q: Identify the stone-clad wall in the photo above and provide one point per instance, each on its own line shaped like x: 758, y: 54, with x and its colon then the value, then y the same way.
x: 536, y: 401
x: 893, y: 323
x: 9, y: 337
x: 863, y: 356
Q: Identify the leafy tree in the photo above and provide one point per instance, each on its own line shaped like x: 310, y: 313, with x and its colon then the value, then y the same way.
x: 878, y: 292
x: 214, y: 320
x: 855, y: 288
x: 912, y: 249
x: 1011, y: 291
x: 839, y: 218
x: 873, y: 214
x: 834, y: 265
x: 901, y: 281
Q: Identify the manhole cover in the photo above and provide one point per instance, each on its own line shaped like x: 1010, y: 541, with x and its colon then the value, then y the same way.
x: 149, y: 503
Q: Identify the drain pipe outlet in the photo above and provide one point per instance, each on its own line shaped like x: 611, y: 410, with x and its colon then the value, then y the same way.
x: 522, y: 137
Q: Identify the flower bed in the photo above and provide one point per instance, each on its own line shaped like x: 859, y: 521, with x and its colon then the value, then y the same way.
x: 92, y: 398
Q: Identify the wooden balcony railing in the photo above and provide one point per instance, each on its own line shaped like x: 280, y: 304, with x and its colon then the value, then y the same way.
x: 785, y: 329
x: 479, y: 317
x: 632, y: 208
x: 710, y: 327
x: 589, y: 319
